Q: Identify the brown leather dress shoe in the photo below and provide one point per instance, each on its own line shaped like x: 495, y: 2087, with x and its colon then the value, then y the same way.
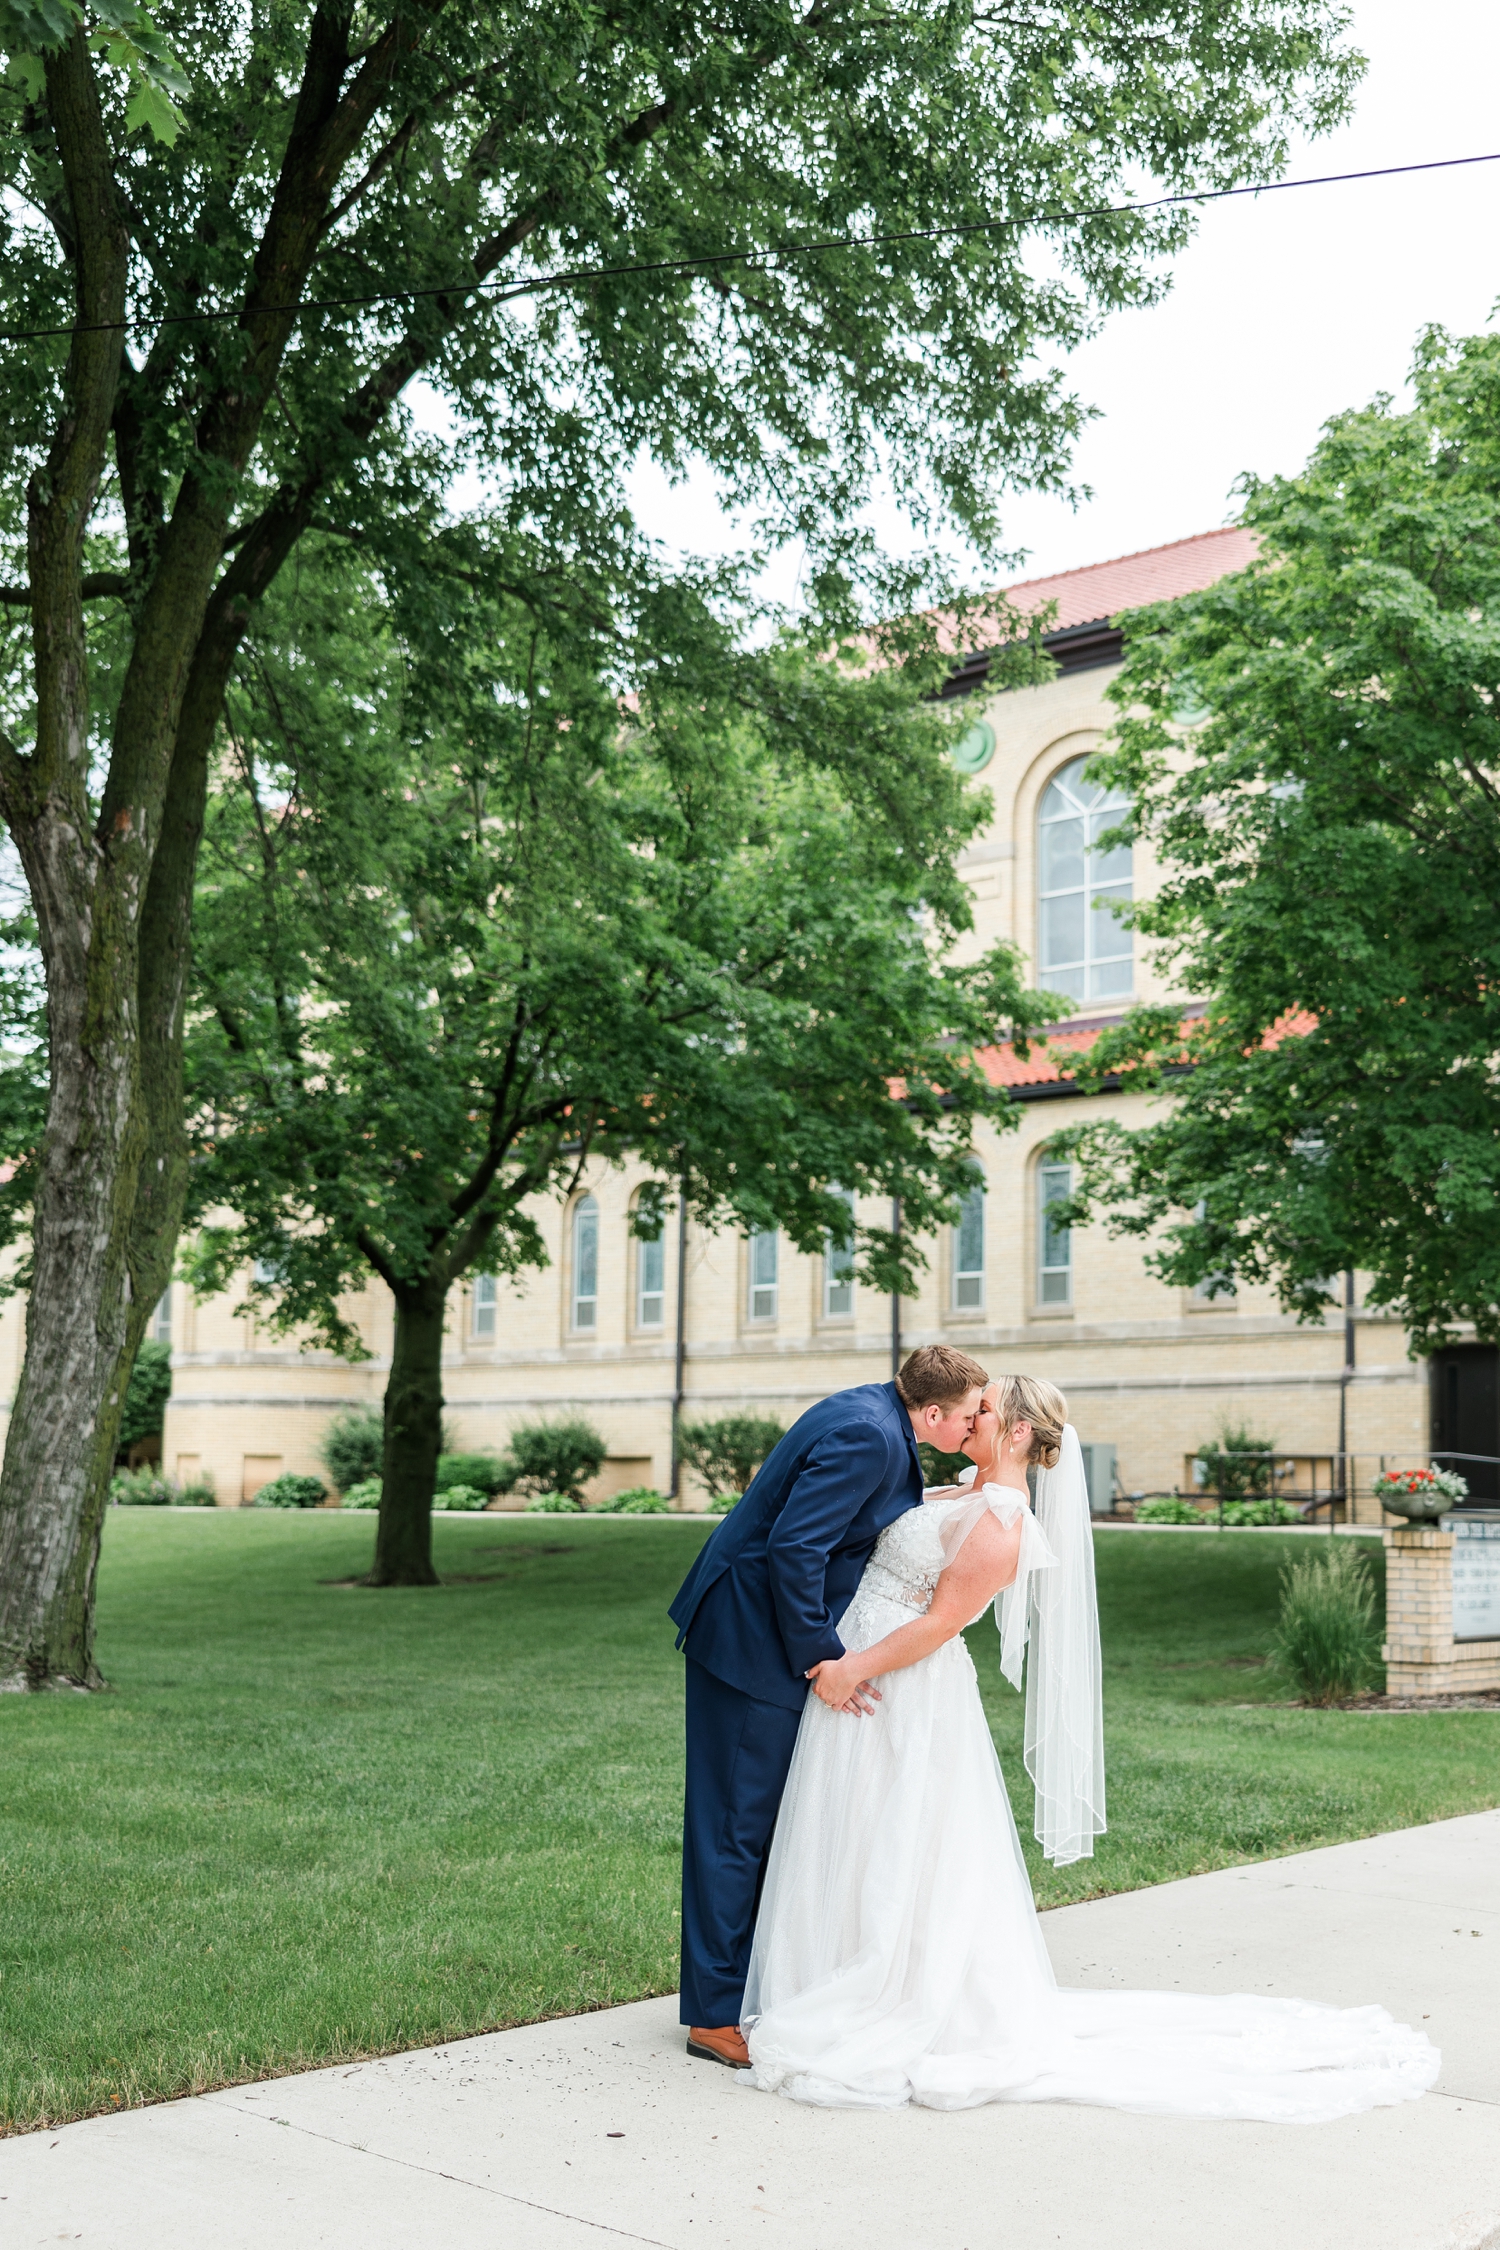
x: 725, y: 2045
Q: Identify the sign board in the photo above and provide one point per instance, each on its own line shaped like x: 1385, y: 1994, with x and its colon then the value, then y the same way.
x: 1476, y: 1578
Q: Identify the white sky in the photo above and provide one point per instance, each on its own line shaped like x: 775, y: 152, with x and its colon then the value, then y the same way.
x: 1285, y: 309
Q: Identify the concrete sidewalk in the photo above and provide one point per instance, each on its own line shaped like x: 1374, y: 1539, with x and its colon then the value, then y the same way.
x: 599, y: 2129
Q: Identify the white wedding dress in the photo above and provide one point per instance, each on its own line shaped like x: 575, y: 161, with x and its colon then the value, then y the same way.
x: 898, y: 1956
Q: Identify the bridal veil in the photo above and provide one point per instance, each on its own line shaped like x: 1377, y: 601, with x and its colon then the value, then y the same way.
x: 1050, y: 1616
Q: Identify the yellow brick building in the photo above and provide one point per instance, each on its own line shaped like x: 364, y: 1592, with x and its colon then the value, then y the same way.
x: 1150, y: 1371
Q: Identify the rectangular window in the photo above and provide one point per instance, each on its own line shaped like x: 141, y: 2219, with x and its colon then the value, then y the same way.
x: 160, y: 1330
x: 482, y: 1309
x: 968, y: 1252
x: 1214, y: 1288
x: 838, y: 1268
x: 764, y: 1249
x: 586, y: 1264
x: 1055, y: 1242
x: 650, y: 1282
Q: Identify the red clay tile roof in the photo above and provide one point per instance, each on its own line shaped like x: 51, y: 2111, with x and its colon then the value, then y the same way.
x: 1003, y: 1066
x: 1101, y: 590
x: 1157, y: 574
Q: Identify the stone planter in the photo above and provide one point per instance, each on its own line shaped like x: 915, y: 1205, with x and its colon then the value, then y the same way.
x: 1417, y: 1507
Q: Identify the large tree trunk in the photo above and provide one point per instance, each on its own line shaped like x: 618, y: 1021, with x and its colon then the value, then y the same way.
x: 84, y: 1319
x: 413, y: 1440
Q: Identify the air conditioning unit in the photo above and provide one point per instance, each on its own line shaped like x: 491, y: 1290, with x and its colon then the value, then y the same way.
x: 1099, y: 1475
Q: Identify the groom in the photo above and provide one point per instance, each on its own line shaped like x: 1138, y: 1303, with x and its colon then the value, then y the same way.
x: 756, y: 1617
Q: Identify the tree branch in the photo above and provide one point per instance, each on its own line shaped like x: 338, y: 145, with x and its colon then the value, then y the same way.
x: 60, y: 497
x: 370, y: 1248
x: 96, y: 586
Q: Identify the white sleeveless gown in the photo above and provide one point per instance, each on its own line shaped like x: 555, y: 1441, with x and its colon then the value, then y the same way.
x: 898, y: 1956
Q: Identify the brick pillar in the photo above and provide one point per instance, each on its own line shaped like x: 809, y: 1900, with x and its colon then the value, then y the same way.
x: 1421, y: 1655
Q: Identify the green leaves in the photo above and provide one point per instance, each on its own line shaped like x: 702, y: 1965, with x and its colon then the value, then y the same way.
x: 522, y: 861
x: 1331, y: 880
x: 128, y: 39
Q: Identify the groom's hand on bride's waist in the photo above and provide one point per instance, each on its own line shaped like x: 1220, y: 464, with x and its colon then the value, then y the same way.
x: 839, y: 1685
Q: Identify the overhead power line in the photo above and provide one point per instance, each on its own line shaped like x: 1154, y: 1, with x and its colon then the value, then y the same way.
x: 572, y: 277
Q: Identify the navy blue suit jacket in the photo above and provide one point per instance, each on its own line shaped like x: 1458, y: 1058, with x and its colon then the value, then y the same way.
x: 761, y: 1602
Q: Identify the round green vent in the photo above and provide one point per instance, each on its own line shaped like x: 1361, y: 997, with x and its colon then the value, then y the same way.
x: 973, y: 751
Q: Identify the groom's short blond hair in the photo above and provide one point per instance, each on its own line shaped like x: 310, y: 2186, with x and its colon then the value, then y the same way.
x: 939, y: 1375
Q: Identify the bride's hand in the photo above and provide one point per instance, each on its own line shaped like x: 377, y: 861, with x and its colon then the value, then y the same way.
x: 982, y: 1445
x: 838, y: 1684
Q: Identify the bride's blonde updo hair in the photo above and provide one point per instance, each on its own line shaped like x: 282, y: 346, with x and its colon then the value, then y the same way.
x: 1027, y: 1398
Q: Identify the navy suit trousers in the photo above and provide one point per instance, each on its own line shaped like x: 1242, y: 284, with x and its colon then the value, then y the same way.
x: 739, y: 1751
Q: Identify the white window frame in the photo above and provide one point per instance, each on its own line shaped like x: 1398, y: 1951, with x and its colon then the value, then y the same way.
x: 160, y: 1330
x: 763, y: 1270
x: 966, y: 1289
x: 584, y: 1303
x: 656, y: 1293
x: 1095, y: 974
x: 483, y: 1300
x: 838, y: 1269
x: 1054, y: 1273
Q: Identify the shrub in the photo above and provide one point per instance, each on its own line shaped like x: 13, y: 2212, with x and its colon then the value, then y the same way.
x: 462, y: 1499
x: 720, y: 1503
x: 1237, y: 1464
x: 141, y: 1488
x: 483, y: 1471
x: 553, y: 1457
x: 365, y: 1494
x: 639, y: 1500
x: 1167, y: 1508
x: 1328, y: 1637
x: 197, y: 1493
x: 942, y: 1468
x: 146, y: 1394
x: 727, y: 1454
x: 1245, y: 1515
x: 352, y: 1446
x: 290, y: 1492
x: 553, y: 1504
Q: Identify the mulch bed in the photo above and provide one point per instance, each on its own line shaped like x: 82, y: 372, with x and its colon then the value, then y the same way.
x: 1487, y: 1700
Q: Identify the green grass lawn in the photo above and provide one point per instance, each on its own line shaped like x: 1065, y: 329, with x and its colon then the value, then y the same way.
x: 310, y: 1821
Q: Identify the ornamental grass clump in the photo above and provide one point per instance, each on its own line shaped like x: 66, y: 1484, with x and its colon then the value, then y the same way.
x: 1328, y: 1634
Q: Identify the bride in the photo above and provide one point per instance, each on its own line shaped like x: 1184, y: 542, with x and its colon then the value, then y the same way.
x: 898, y: 1956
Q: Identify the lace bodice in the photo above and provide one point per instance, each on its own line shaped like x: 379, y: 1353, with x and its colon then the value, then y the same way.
x: 901, y: 1574
x: 908, y: 1558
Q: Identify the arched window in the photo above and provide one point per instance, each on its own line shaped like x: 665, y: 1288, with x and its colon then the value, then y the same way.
x: 482, y: 1309
x: 650, y: 1280
x: 764, y: 1262
x: 968, y: 1250
x: 1081, y: 948
x: 1054, y: 1255
x: 585, y: 1263
x: 838, y: 1268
